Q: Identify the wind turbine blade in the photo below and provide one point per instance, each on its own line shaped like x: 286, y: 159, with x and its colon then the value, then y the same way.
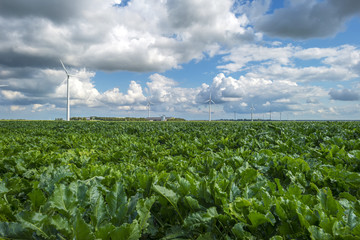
x: 64, y: 67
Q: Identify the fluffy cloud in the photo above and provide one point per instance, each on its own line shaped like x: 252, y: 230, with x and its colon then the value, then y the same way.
x: 303, y: 19
x: 167, y: 96
x: 344, y: 94
x: 134, y: 96
x: 138, y: 36
x: 290, y: 62
x: 237, y: 95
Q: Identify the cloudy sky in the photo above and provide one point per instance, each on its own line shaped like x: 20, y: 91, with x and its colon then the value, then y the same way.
x: 297, y: 58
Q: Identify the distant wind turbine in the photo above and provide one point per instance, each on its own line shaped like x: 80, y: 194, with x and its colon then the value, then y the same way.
x: 148, y: 106
x: 68, y: 92
x: 210, y: 102
x: 252, y: 110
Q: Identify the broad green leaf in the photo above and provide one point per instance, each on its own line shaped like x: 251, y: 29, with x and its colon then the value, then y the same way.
x: 192, y: 202
x: 11, y: 230
x: 356, y: 231
x: 61, y: 225
x: 170, y: 196
x: 317, y: 233
x: 143, y: 209
x: 126, y: 232
x: 63, y: 200
x: 37, y: 198
x: 104, y: 231
x: 34, y: 221
x: 347, y: 196
x: 3, y: 188
x: 117, y: 204
x: 99, y: 213
x: 116, y: 198
x: 81, y: 229
x: 257, y: 218
x: 280, y: 188
x: 280, y: 211
x: 206, y: 236
x: 328, y: 203
x: 240, y: 233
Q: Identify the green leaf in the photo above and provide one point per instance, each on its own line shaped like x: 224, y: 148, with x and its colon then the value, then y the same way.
x: 37, y: 198
x: 81, y: 229
x: 63, y: 200
x: 205, y: 236
x: 347, y: 196
x: 257, y: 219
x: 317, y: 233
x: 117, y: 204
x: 99, y: 213
x: 61, y: 225
x: 13, y: 230
x: 3, y: 188
x: 277, y: 237
x: 127, y: 232
x: 328, y: 203
x: 280, y: 212
x: 143, y: 209
x: 356, y: 231
x: 240, y: 233
x: 170, y: 196
x: 104, y: 231
x: 192, y: 202
x: 34, y: 221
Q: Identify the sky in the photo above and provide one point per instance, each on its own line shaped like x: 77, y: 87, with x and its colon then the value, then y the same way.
x: 288, y: 59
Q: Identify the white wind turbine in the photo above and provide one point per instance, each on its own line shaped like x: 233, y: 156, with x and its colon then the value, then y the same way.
x: 252, y: 110
x: 68, y: 91
x: 210, y: 102
x: 148, y: 104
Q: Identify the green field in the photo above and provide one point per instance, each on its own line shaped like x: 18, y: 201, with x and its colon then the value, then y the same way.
x: 179, y: 180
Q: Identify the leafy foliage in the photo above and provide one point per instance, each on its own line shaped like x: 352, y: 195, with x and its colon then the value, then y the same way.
x: 179, y: 180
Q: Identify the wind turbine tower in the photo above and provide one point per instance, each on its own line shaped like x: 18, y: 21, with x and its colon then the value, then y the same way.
x: 210, y: 102
x: 148, y: 107
x: 252, y: 110
x: 68, y: 92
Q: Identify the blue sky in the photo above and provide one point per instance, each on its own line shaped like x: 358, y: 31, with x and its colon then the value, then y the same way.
x: 297, y: 58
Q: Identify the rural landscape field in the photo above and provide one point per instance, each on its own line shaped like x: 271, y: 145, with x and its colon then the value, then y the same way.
x: 179, y: 180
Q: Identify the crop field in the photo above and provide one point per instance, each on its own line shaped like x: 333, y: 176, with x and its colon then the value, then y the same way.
x: 179, y: 180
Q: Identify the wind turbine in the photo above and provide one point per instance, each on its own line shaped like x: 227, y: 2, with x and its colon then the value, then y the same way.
x: 210, y: 102
x: 148, y: 106
x: 68, y: 91
x: 252, y: 110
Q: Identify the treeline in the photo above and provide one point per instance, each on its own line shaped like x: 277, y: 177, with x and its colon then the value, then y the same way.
x: 121, y: 119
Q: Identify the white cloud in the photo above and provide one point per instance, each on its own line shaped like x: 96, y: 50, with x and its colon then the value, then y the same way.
x: 141, y: 36
x: 12, y: 95
x: 82, y: 90
x: 42, y: 107
x: 15, y: 108
x: 280, y: 62
x: 307, y: 18
x: 134, y: 96
x: 282, y: 95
